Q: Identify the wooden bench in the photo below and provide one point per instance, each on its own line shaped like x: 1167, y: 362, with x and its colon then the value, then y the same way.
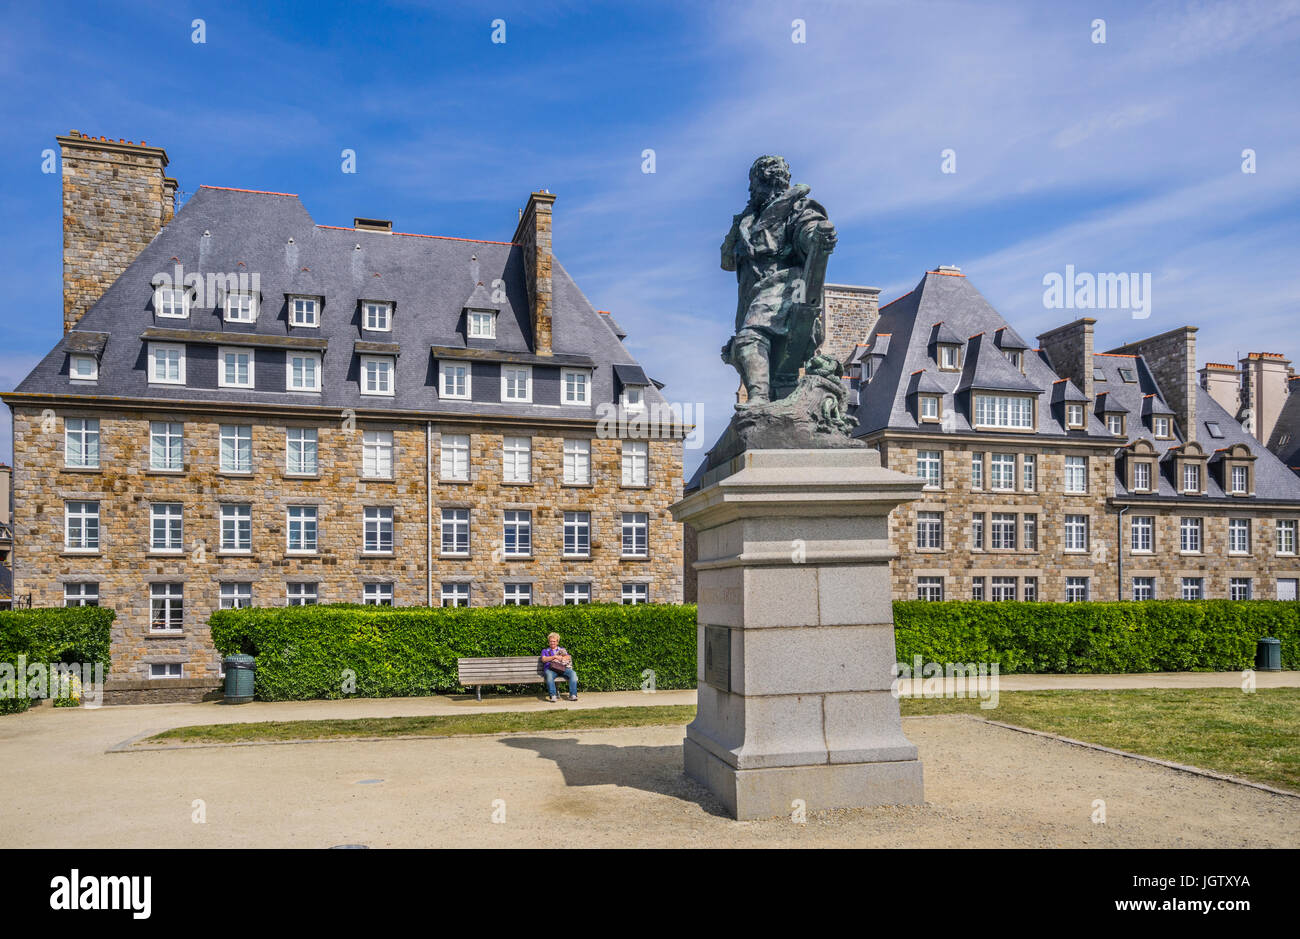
x: 502, y: 670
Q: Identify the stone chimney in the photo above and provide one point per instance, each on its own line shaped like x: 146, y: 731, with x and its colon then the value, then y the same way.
x: 1171, y: 357
x: 1224, y: 385
x: 115, y: 199
x: 1264, y: 377
x: 534, y: 235
x: 1069, y: 349
x: 849, y: 315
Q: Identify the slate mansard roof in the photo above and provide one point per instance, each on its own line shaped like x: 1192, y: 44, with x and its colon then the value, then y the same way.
x: 946, y: 307
x: 430, y: 280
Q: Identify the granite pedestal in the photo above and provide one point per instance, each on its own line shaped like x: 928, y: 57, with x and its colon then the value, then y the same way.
x: 796, y: 634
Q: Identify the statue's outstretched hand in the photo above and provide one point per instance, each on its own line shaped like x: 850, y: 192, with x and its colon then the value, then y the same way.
x: 827, y: 235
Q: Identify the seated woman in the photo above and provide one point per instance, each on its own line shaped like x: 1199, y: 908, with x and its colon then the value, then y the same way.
x: 556, y: 661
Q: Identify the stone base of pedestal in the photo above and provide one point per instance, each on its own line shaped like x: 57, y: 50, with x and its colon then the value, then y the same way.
x: 764, y: 793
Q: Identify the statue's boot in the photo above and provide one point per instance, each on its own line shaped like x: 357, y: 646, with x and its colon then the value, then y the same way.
x: 751, y: 360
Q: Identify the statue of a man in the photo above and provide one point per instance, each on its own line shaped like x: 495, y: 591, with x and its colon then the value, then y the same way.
x: 778, y: 247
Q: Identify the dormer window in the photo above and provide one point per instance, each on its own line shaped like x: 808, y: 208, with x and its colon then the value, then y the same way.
x: 1141, y: 463
x: 482, y: 324
x: 377, y: 317
x: 166, y: 364
x: 302, y: 371
x: 304, y: 311
x: 1239, y: 484
x: 1238, y: 470
x: 576, y: 383
x: 928, y: 408
x: 377, y: 375
x: 949, y: 358
x: 1191, y: 478
x: 516, y: 383
x: 454, y: 380
x: 83, y: 368
x: 1016, y: 358
x: 1141, y: 476
x: 633, y: 398
x: 868, y: 368
x: 1074, y: 416
x: 241, y: 308
x: 1004, y: 412
x: 1115, y: 424
x: 172, y: 302
x: 1163, y: 427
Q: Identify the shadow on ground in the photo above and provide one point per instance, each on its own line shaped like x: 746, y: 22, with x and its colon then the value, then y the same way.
x: 650, y: 769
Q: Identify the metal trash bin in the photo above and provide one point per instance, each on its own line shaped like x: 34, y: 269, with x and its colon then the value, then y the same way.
x: 1268, y: 655
x: 240, y: 670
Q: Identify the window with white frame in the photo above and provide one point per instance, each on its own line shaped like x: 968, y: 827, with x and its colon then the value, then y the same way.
x: 236, y: 596
x: 977, y: 531
x: 1074, y: 415
x: 377, y: 454
x: 455, y: 593
x: 1002, y: 589
x: 636, y: 462
x: 455, y: 532
x: 377, y: 594
x: 1016, y: 358
x: 1076, y: 533
x: 166, y: 607
x: 83, y: 368
x: 301, y: 594
x: 576, y: 594
x: 516, y: 383
x: 1162, y: 428
x: 378, y: 529
x: 1144, y: 588
x: 236, y: 448
x: 454, y: 380
x: 1193, y: 588
x: 237, y: 528
x: 166, y: 446
x: 301, y: 451
x: 577, y: 534
x: 928, y: 407
x: 482, y: 324
x: 236, y: 368
x: 634, y: 594
x: 633, y: 397
x: 166, y: 670
x: 1115, y: 424
x: 81, y: 526
x: 929, y: 466
x: 81, y: 443
x: 241, y: 307
x: 977, y: 588
x: 577, y: 386
x: 81, y: 594
x: 516, y: 459
x: 1031, y: 589
x: 977, y: 470
x: 166, y: 527
x: 1030, y: 532
x: 304, y: 311
x: 517, y: 533
x: 577, y: 462
x: 166, y: 363
x: 1286, y: 536
x: 1189, y: 535
x: 1142, y: 533
x: 636, y: 527
x: 171, y: 302
x: 302, y: 529
x: 949, y: 358
x: 1002, y: 472
x: 1239, y: 588
x: 1238, y: 536
x: 929, y: 530
x: 1076, y: 474
x: 376, y: 316
x: 1011, y: 412
x: 929, y: 588
x: 1029, y: 471
x: 454, y: 463
x: 377, y: 373
x: 1240, y: 480
x: 1002, y: 530
x: 517, y: 594
x: 303, y: 371
x: 1142, y: 476
x: 1076, y: 589
x: 1191, y: 477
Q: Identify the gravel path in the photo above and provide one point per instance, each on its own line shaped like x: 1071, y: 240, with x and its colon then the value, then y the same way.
x: 985, y: 787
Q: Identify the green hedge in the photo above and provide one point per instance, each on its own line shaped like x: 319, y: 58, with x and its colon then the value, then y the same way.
x: 303, y: 651
x: 1145, y: 636
x: 76, y: 634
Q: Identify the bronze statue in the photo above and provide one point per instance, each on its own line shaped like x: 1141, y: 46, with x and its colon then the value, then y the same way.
x: 778, y: 247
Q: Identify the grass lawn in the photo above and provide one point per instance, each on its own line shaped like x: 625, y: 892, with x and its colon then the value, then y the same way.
x: 1249, y: 735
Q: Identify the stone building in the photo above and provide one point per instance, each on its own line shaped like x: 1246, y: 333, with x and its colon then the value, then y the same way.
x: 1060, y: 473
x: 1254, y: 390
x: 248, y: 407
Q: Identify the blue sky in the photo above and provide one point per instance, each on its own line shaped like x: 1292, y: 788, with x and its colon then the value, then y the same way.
x: 1122, y: 156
